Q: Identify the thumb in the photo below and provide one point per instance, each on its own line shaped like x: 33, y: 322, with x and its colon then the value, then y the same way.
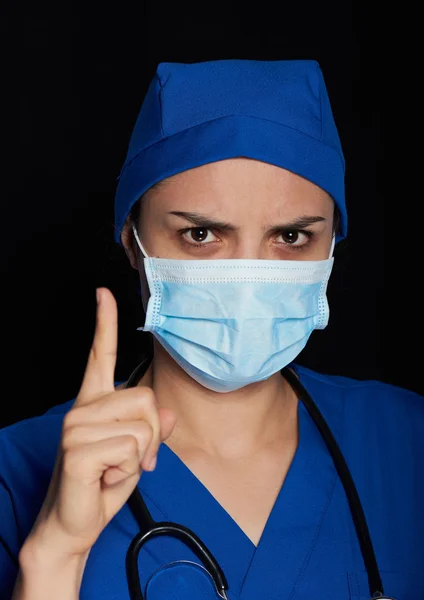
x: 167, y: 419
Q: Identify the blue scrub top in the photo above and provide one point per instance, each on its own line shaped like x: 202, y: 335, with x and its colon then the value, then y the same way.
x: 308, y: 549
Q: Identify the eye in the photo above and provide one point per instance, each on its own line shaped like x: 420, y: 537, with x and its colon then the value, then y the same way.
x: 198, y: 238
x: 296, y: 238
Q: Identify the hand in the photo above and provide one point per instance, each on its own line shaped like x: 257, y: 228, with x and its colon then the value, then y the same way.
x: 108, y: 438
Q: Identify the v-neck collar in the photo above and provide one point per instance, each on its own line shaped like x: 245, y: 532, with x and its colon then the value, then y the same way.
x: 184, y: 499
x: 271, y: 569
x: 296, y: 518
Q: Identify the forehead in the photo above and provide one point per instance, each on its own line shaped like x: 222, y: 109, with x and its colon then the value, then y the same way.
x: 240, y: 190
x: 237, y: 175
x: 233, y: 171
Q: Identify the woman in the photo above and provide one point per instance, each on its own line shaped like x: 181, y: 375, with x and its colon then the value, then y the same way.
x: 240, y: 175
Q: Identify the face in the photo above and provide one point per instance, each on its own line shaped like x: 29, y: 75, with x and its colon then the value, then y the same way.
x: 231, y: 209
x: 235, y: 208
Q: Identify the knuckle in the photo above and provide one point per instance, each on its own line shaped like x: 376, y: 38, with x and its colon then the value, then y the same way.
x: 129, y: 445
x: 97, y: 353
x: 146, y: 398
x: 131, y: 466
x: 71, y: 462
x: 94, y: 352
x: 69, y: 436
x: 144, y: 433
x: 73, y: 417
x: 69, y: 419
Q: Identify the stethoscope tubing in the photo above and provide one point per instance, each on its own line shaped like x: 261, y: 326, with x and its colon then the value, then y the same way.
x: 149, y: 528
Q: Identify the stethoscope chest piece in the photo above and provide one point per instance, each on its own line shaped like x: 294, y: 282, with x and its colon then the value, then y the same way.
x: 182, y: 579
x: 210, y: 570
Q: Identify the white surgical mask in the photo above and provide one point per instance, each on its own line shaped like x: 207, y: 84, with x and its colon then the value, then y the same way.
x: 232, y: 322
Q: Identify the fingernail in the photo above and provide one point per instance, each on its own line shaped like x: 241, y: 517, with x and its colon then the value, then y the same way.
x: 152, y: 464
x: 98, y: 296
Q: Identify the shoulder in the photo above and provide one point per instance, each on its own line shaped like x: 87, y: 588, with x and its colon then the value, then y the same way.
x: 28, y: 451
x: 371, y: 413
x: 379, y: 429
x: 31, y: 444
x: 369, y: 393
x: 38, y: 434
x: 34, y: 441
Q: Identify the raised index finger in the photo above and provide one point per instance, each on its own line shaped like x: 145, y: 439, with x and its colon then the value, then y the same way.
x: 99, y: 376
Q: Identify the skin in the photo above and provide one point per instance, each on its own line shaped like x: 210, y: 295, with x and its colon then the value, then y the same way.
x: 239, y: 444
x: 253, y: 196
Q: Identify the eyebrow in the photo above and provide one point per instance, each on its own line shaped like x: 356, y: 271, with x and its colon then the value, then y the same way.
x: 208, y: 223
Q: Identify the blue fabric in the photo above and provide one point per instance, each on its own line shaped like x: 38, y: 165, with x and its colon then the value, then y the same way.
x: 193, y: 114
x: 309, y: 547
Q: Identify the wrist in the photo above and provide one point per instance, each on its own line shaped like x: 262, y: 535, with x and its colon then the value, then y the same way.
x: 47, y: 574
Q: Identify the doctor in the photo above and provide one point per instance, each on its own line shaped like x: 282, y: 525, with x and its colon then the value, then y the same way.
x: 228, y: 205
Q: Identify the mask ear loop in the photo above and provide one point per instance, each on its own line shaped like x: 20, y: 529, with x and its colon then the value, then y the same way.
x: 144, y: 253
x: 138, y: 242
x: 333, y: 243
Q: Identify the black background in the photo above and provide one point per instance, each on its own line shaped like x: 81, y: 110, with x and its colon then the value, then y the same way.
x: 73, y: 79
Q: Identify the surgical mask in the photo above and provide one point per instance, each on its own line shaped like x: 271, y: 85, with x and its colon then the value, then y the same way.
x: 232, y: 322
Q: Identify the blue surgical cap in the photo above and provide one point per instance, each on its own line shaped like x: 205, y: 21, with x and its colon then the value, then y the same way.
x: 197, y: 113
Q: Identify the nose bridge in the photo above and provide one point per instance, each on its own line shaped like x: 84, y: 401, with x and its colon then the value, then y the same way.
x: 248, y: 242
x: 250, y: 247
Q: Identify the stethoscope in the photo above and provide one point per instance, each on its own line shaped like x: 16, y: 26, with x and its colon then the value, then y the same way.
x: 149, y: 528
